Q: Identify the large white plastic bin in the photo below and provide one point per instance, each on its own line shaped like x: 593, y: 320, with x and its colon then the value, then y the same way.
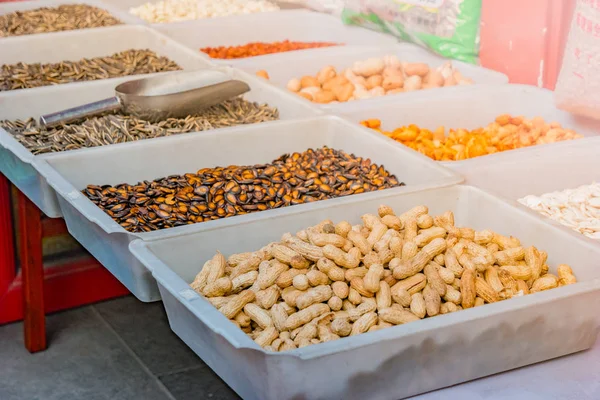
x: 16, y: 161
x: 284, y: 66
x: 13, y: 6
x: 296, y: 25
x: 88, y: 43
x: 126, y: 5
x: 396, y: 362
x: 472, y: 107
x: 542, y: 169
x: 68, y: 173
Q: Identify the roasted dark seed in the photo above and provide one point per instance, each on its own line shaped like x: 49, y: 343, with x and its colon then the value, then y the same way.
x: 118, y: 207
x: 230, y: 197
x: 214, y: 193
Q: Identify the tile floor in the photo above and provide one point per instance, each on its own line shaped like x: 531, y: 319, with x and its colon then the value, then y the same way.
x: 123, y: 349
x: 120, y: 349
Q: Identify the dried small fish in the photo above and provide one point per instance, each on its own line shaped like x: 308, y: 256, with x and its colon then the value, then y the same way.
x: 119, y: 128
x: 128, y: 62
x: 55, y: 19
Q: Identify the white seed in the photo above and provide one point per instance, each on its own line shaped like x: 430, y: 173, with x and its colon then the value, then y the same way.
x: 182, y: 10
x: 578, y: 209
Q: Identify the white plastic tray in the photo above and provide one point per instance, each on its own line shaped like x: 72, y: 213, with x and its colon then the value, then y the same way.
x: 284, y: 66
x: 87, y: 43
x: 70, y: 172
x: 296, y: 25
x: 16, y: 161
x: 10, y: 7
x: 542, y: 169
x: 396, y: 362
x: 472, y: 107
x: 564, y: 165
x: 126, y: 5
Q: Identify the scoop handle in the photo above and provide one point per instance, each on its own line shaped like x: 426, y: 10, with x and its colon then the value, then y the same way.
x: 75, y: 113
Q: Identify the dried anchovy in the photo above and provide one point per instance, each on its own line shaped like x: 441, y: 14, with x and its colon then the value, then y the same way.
x: 119, y: 128
x: 221, y: 192
x: 128, y: 62
x: 55, y: 19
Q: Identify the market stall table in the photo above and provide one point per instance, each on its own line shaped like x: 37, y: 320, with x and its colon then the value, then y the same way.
x: 31, y: 293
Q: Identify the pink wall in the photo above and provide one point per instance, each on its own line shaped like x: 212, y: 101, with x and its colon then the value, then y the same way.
x: 525, y: 38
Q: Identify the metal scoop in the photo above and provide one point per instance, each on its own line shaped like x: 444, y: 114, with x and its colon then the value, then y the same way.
x: 156, y: 98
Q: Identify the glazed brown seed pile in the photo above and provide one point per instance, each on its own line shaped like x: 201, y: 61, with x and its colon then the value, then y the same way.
x: 111, y: 129
x: 129, y: 62
x: 62, y: 18
x: 332, y: 280
x: 214, y: 193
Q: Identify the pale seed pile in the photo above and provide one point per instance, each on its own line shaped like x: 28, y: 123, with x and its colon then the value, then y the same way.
x: 118, y: 128
x: 128, y: 62
x: 578, y: 208
x: 65, y: 17
x: 183, y: 10
x: 335, y: 280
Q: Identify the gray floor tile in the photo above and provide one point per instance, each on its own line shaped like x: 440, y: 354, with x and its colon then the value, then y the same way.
x: 145, y: 329
x: 85, y: 360
x: 198, y: 383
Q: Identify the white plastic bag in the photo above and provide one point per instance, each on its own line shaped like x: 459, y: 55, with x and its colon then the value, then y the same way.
x: 578, y: 86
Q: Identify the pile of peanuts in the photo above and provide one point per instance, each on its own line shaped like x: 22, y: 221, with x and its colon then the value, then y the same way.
x: 184, y: 10
x: 261, y: 48
x: 578, y: 209
x: 335, y: 280
x: 505, y: 133
x: 374, y: 77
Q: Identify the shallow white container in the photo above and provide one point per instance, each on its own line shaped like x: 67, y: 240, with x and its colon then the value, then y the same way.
x: 70, y: 172
x: 396, y: 362
x: 10, y: 7
x: 543, y: 169
x: 472, y: 107
x: 16, y: 161
x: 564, y: 165
x: 296, y: 25
x: 87, y: 43
x: 284, y: 66
x: 126, y: 5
